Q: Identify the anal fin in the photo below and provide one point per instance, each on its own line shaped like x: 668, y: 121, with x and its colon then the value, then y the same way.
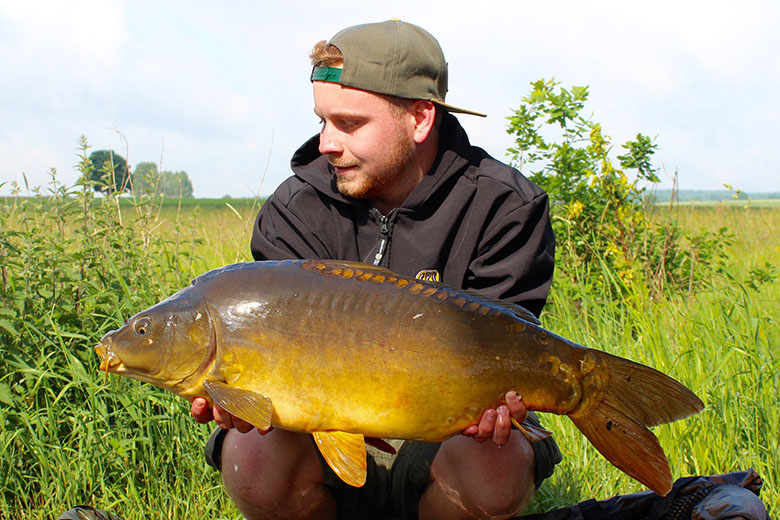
x: 345, y: 453
x: 250, y: 406
x: 381, y: 444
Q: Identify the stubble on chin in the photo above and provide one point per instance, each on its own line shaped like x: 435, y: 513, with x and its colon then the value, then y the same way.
x: 353, y: 185
x: 359, y: 183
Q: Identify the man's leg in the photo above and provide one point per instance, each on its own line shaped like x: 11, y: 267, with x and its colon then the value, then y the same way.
x: 276, y: 475
x: 472, y: 480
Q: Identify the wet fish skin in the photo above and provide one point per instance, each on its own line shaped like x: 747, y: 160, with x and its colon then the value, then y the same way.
x: 346, y: 350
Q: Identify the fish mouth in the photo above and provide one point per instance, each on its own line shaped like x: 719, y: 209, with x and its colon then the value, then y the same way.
x: 109, y: 362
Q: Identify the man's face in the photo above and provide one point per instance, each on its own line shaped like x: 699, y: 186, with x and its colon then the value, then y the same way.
x: 367, y: 140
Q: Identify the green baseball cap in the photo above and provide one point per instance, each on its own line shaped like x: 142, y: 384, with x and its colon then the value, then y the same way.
x: 394, y: 58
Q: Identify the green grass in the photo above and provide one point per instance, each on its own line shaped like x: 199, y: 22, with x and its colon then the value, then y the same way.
x: 75, y: 268
x: 720, y: 342
x: 721, y: 346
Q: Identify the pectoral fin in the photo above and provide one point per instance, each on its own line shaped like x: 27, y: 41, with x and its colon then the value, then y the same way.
x: 531, y: 432
x: 345, y: 453
x: 249, y: 406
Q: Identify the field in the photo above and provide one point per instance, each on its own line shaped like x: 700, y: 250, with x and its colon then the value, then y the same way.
x: 74, y: 267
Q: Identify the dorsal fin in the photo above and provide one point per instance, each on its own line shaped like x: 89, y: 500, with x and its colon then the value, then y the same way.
x: 339, y: 266
x: 366, y: 272
x: 518, y: 310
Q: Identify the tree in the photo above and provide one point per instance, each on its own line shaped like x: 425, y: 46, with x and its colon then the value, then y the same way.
x: 175, y: 184
x: 146, y: 179
x: 109, y: 171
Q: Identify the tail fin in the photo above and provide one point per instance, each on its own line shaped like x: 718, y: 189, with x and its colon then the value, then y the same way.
x: 634, y: 398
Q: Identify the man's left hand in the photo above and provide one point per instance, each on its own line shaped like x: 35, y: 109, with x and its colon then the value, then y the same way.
x: 496, y: 424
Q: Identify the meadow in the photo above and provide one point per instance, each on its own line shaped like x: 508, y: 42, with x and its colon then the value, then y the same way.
x: 75, y: 266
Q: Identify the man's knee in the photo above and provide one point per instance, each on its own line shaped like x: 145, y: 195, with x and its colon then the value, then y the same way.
x: 483, y: 479
x: 277, y: 473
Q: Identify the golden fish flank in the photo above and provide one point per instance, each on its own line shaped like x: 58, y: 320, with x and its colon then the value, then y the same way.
x: 256, y: 337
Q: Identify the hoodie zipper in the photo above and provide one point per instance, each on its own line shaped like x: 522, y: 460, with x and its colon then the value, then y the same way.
x: 384, y: 235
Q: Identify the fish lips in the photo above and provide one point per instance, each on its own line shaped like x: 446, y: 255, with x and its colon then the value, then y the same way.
x: 109, y: 361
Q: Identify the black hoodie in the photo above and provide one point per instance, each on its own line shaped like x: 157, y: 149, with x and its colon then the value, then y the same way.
x: 472, y: 222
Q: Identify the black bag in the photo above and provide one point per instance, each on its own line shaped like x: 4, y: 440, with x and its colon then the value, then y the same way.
x: 713, y: 497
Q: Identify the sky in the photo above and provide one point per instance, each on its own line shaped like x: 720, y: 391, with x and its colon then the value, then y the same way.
x: 221, y: 90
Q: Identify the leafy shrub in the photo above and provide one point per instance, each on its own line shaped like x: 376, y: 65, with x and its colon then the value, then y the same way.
x: 599, y: 216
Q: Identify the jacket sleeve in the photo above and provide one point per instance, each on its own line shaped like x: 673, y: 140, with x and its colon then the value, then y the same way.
x: 516, y: 253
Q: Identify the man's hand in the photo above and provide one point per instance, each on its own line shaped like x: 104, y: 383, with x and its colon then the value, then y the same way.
x: 496, y: 425
x: 203, y: 414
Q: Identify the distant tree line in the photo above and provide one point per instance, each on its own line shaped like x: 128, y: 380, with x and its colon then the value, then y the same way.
x: 709, y: 195
x: 111, y: 173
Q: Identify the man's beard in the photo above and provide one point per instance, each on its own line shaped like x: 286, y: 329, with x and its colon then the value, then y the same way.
x: 360, y: 184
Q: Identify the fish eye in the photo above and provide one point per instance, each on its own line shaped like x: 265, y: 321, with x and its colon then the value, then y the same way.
x: 142, y: 326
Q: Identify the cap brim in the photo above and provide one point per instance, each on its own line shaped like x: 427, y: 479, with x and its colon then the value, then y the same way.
x: 458, y: 110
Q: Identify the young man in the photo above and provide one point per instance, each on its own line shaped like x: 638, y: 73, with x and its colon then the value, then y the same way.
x: 392, y: 180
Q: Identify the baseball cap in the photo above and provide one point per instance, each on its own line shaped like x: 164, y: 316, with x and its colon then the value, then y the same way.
x: 394, y: 58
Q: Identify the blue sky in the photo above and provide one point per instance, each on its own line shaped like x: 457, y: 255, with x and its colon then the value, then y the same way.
x: 222, y: 91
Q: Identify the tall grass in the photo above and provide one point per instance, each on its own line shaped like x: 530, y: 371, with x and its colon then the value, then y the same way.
x: 722, y: 345
x: 75, y: 266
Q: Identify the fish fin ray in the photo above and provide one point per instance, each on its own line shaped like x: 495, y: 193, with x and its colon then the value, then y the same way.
x: 245, y: 404
x: 653, y: 397
x: 531, y: 432
x: 345, y: 453
x: 626, y: 444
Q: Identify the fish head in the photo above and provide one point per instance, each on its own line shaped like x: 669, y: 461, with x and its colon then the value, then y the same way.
x: 170, y: 345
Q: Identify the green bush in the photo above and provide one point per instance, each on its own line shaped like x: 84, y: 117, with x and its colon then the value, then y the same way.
x: 598, y: 210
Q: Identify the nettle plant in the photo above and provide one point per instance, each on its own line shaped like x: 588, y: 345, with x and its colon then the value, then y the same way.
x: 606, y: 236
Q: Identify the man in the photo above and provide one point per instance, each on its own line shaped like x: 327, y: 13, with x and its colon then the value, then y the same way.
x: 392, y: 180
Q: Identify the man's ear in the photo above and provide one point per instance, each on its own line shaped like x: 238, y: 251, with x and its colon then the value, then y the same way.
x: 424, y: 113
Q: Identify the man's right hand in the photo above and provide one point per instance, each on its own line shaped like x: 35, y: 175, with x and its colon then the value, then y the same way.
x: 203, y: 414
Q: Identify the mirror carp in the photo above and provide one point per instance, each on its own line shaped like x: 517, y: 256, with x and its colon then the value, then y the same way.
x: 344, y: 351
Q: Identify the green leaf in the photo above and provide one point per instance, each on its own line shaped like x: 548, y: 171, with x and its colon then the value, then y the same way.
x: 8, y: 326
x: 580, y: 93
x: 5, y: 395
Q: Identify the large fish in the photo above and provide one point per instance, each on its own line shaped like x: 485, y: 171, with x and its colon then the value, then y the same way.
x: 346, y: 350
